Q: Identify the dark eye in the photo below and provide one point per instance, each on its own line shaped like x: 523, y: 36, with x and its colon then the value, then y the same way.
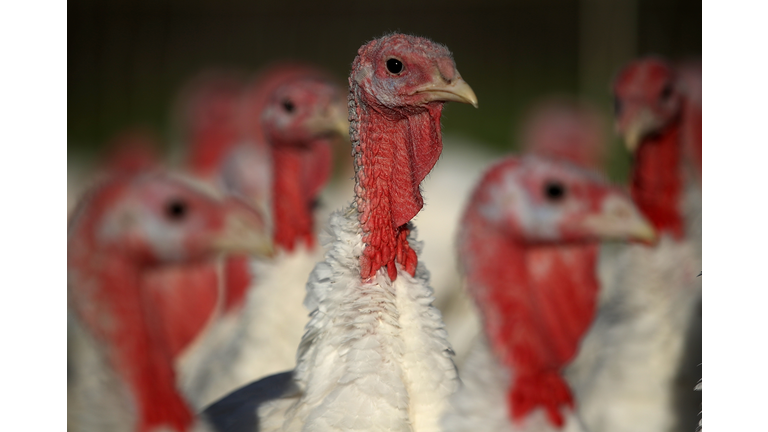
x: 288, y: 106
x: 666, y: 92
x: 394, y: 66
x: 554, y: 190
x: 617, y: 107
x: 176, y: 210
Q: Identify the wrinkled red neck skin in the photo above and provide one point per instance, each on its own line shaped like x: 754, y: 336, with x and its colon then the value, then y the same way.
x: 208, y: 150
x: 537, y: 304
x: 114, y: 309
x: 299, y: 174
x: 657, y: 180
x: 184, y: 299
x: 393, y: 157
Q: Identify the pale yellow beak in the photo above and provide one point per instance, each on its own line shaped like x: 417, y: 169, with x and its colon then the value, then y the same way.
x: 456, y: 91
x: 636, y: 130
x: 620, y: 219
x: 242, y: 234
x: 334, y: 120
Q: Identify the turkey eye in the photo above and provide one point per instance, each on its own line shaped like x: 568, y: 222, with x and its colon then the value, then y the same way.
x: 176, y: 210
x: 394, y: 66
x: 666, y: 92
x: 288, y: 106
x: 554, y: 191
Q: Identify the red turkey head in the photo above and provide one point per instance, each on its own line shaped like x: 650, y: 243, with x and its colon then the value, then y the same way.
x: 154, y: 218
x: 304, y: 110
x: 646, y: 99
x: 125, y: 232
x: 398, y: 87
x: 534, y: 200
x: 403, y: 73
x: 403, y: 77
x: 527, y: 244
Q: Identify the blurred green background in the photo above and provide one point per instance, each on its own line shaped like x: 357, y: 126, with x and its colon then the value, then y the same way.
x: 128, y: 59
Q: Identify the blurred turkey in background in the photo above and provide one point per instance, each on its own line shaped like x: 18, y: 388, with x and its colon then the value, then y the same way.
x: 135, y: 71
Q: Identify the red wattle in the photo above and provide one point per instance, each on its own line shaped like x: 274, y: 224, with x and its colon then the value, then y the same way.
x: 393, y: 157
x: 294, y: 183
x: 134, y: 344
x: 537, y: 302
x: 657, y: 181
x: 183, y: 298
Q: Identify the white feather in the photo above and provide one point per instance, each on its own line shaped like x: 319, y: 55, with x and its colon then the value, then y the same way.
x: 375, y: 356
x: 262, y: 340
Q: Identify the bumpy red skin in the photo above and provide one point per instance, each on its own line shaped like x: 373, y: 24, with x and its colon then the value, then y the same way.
x: 394, y: 147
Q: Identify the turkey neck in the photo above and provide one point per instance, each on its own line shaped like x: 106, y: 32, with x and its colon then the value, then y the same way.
x: 132, y: 340
x: 292, y: 198
x: 657, y: 180
x: 393, y: 151
x: 537, y: 303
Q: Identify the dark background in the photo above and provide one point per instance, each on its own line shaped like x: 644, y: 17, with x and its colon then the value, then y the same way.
x: 128, y: 59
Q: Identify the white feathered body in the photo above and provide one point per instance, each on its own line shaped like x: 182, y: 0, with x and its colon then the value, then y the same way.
x: 446, y: 190
x: 480, y: 404
x: 375, y: 356
x: 261, y: 340
x: 625, y: 375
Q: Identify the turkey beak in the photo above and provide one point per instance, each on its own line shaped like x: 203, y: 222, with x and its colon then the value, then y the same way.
x: 637, y: 129
x: 331, y: 120
x: 456, y: 90
x: 620, y: 219
x: 244, y: 232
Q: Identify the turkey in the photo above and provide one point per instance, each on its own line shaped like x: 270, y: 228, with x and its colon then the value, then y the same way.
x: 557, y: 127
x: 528, y: 247
x: 638, y: 363
x: 123, y: 236
x: 299, y: 117
x: 375, y: 356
